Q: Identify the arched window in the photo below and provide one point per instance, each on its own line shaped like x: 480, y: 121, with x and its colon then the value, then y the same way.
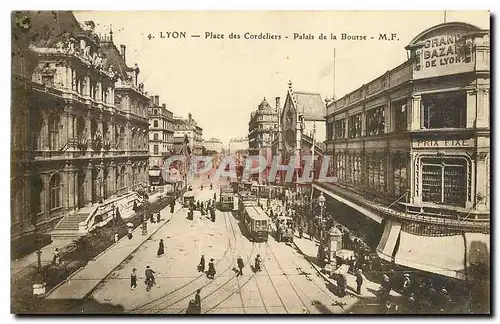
x: 54, y: 132
x: 155, y: 112
x: 55, y: 191
x: 155, y: 123
x: 155, y: 136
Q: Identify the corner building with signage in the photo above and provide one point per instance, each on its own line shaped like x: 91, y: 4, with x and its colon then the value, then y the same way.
x: 411, y: 151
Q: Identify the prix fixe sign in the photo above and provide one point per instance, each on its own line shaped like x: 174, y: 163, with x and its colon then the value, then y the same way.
x: 443, y: 143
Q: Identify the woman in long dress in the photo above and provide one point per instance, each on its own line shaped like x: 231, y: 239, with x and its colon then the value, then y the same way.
x: 211, y: 269
x: 161, y: 249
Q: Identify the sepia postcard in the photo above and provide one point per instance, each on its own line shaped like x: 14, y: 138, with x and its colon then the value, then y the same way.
x: 250, y: 162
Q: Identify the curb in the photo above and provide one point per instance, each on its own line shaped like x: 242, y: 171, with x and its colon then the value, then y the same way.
x: 94, y: 259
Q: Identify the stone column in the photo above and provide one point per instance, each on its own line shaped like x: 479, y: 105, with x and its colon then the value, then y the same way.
x: 44, y: 131
x: 100, y: 182
x: 71, y: 184
x: 88, y: 131
x: 128, y: 176
x: 471, y: 108
x: 111, y: 179
x: 88, y: 183
x: 415, y: 114
x: 45, y: 201
x: 388, y: 124
x: 482, y: 179
x: 483, y: 108
x: 363, y: 122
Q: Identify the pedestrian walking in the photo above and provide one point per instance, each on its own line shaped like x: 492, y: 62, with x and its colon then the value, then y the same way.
x: 197, y: 302
x: 133, y: 279
x: 359, y: 281
x: 201, y: 265
x: 301, y: 230
x: 55, y: 257
x: 211, y: 269
x: 161, y: 249
x: 240, y: 266
x: 158, y: 217
x: 116, y: 238
x: 129, y: 233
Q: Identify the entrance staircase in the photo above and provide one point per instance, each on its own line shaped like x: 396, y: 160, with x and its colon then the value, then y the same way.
x: 69, y: 225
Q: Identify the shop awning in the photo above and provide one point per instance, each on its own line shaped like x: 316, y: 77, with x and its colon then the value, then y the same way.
x: 154, y: 173
x: 387, y: 243
x: 444, y: 255
x: 365, y: 211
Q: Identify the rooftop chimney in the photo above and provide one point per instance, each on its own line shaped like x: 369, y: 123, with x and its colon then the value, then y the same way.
x: 277, y: 103
x: 122, y: 51
x: 157, y: 100
x: 152, y: 98
x: 164, y: 106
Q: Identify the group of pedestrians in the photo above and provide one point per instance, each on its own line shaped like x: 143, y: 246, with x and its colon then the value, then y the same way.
x: 211, y: 267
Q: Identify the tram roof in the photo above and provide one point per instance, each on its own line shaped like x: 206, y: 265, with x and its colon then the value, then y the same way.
x: 256, y: 213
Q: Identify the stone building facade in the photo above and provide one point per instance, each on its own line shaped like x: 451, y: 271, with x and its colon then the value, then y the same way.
x: 79, y: 126
x: 262, y: 127
x: 161, y: 132
x: 411, y: 149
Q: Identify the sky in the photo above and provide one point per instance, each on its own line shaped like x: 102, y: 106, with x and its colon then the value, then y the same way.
x: 221, y: 81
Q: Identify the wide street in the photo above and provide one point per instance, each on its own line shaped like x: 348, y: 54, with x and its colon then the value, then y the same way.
x: 286, y: 284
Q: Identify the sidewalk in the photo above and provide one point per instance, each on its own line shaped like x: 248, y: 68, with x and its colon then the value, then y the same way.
x: 81, y: 283
x: 31, y: 260
x: 18, y: 265
x: 310, y: 249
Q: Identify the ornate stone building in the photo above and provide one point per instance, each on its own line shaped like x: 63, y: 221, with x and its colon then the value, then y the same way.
x: 79, y: 123
x: 411, y: 151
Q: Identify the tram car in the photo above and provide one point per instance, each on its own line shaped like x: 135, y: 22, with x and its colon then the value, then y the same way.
x: 226, y: 201
x: 257, y: 223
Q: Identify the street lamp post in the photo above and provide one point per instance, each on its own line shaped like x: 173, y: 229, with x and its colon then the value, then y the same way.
x: 145, y: 215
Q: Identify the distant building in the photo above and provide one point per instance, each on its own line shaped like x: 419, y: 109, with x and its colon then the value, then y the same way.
x: 301, y: 123
x: 262, y: 126
x: 238, y: 145
x: 213, y: 144
x: 161, y: 132
x: 187, y: 129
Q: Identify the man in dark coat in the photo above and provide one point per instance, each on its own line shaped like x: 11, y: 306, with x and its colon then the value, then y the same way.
x: 359, y: 281
x: 240, y: 266
x: 172, y: 205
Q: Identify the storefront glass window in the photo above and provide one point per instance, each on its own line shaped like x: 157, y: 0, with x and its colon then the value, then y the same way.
x: 444, y: 181
x: 340, y: 129
x: 355, y: 126
x: 375, y: 122
x: 446, y: 110
x: 400, y: 111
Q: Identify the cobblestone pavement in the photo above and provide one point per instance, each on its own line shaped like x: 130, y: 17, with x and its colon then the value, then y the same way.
x: 287, y: 283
